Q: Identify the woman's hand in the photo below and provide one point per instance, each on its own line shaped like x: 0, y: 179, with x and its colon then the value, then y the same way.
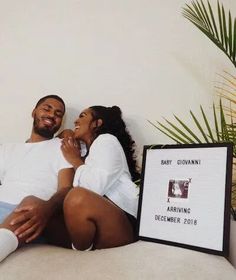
x: 66, y: 133
x: 71, y: 152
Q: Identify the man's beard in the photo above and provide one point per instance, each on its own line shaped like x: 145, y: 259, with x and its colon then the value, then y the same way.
x: 45, y: 132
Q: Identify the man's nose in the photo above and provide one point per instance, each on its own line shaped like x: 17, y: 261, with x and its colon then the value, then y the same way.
x: 51, y: 114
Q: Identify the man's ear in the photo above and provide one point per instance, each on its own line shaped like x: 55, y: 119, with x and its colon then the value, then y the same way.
x: 33, y: 113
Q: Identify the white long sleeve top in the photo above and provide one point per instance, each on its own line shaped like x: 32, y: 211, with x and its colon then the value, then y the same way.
x: 106, y: 172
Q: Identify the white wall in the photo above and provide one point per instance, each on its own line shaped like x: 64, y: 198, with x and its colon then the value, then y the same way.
x: 141, y: 55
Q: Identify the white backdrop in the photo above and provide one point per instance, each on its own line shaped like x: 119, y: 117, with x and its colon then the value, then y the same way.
x: 140, y: 55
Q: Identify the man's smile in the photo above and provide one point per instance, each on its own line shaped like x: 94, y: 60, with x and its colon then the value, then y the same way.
x: 48, y: 121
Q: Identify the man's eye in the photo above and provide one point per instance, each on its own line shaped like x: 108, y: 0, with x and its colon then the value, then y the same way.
x: 59, y: 115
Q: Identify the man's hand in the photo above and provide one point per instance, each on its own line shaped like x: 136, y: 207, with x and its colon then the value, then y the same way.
x: 34, y: 216
x: 34, y: 213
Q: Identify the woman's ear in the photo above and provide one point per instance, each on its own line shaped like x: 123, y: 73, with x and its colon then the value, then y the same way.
x: 99, y: 123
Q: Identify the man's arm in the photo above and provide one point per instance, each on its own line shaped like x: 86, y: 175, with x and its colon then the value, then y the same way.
x: 35, y: 212
x: 65, y: 181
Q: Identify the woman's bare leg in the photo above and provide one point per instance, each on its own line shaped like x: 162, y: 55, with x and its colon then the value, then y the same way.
x: 92, y: 219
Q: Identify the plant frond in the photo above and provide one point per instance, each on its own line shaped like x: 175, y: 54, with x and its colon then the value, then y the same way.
x: 216, y: 123
x: 164, y: 132
x: 199, y: 127
x: 174, y: 134
x: 224, y: 131
x: 227, y: 97
x: 188, y: 130
x: 222, y: 34
x: 228, y: 91
x: 190, y: 140
x: 207, y: 125
x: 213, y: 20
x: 230, y: 36
x: 234, y: 40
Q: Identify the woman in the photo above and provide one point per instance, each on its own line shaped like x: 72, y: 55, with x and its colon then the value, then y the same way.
x: 100, y: 212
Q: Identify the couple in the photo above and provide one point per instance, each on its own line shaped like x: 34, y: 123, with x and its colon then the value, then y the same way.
x: 37, y: 197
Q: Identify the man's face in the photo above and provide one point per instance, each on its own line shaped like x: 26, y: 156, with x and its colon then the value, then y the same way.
x: 48, y: 117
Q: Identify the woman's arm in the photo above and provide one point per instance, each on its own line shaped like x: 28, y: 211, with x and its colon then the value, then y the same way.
x: 104, y: 165
x: 71, y: 152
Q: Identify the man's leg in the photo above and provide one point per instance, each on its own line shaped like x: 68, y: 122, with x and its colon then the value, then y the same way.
x: 56, y: 232
x: 8, y: 240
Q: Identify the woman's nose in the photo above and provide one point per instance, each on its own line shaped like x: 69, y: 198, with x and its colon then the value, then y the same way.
x: 76, y: 122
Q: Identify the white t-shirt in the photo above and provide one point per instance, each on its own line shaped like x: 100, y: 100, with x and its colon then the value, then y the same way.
x: 106, y: 172
x: 30, y: 169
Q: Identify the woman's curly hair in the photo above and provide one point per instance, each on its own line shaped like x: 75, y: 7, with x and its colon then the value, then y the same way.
x: 114, y: 124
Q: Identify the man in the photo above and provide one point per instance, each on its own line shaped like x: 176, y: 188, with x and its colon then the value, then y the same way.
x: 35, y: 178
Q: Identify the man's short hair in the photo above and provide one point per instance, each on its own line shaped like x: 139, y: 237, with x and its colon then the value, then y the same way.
x: 41, y: 100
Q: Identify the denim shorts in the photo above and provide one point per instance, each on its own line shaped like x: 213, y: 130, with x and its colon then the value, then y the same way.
x: 5, y: 210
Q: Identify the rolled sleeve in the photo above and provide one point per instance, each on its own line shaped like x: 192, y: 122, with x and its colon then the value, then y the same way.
x: 102, y: 167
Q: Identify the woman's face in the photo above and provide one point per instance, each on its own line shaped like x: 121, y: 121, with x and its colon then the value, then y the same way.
x: 84, y: 126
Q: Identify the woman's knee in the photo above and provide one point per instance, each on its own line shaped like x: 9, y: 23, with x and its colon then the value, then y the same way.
x: 76, y: 200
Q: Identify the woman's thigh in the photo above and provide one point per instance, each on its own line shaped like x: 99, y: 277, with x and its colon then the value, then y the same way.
x: 113, y: 228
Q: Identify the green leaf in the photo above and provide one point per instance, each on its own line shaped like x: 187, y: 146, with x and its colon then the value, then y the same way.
x: 224, y: 130
x: 207, y: 125
x: 199, y: 127
x: 213, y: 20
x: 230, y: 36
x: 224, y: 29
x: 207, y: 18
x: 198, y: 13
x: 220, y: 24
x: 222, y: 36
x: 234, y: 42
x: 164, y: 132
x: 188, y: 129
x: 216, y: 123
x: 174, y: 134
x: 180, y: 131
